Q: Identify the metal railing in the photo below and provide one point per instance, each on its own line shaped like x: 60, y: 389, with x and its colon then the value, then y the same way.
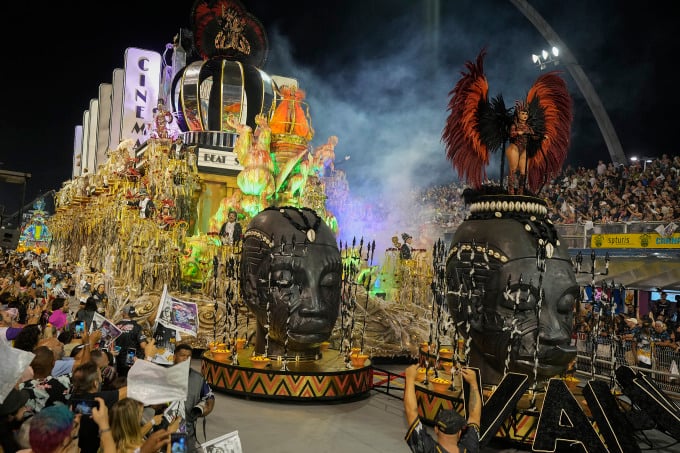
x: 577, y: 235
x: 599, y: 358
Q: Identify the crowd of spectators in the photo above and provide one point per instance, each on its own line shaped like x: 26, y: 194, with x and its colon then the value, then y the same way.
x: 642, y: 191
x: 645, y: 191
x: 71, y: 396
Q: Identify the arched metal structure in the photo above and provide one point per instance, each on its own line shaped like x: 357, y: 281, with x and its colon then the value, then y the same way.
x: 582, y: 81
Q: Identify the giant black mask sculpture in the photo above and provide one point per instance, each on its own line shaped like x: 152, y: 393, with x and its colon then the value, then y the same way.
x: 511, y: 288
x: 290, y: 279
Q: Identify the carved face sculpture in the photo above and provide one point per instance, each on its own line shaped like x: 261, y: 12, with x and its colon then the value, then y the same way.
x: 290, y: 279
x: 512, y: 290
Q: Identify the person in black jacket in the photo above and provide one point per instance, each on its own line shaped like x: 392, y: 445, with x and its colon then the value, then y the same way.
x: 231, y: 230
x: 132, y: 337
x: 405, y: 250
x: 87, y: 312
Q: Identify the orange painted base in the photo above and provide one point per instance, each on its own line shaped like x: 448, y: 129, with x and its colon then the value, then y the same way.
x: 326, y: 379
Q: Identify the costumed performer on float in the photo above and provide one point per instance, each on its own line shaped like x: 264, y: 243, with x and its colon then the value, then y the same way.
x: 538, y: 129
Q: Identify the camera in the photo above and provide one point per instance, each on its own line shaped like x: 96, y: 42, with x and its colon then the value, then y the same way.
x: 197, y: 410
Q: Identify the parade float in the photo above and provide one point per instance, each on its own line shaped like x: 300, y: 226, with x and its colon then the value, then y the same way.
x: 147, y: 221
x: 35, y: 236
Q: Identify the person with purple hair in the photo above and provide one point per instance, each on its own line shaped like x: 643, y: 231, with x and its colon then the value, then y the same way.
x: 56, y: 429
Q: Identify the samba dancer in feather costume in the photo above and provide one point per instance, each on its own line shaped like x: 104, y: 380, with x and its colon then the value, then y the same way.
x: 538, y: 129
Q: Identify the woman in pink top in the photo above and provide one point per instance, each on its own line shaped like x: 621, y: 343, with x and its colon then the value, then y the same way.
x: 59, y: 317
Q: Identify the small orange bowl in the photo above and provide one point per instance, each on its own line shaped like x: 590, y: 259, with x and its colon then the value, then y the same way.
x: 446, y: 353
x: 324, y: 346
x: 259, y: 361
x: 421, y: 373
x: 215, y: 345
x: 440, y: 385
x: 446, y: 365
x: 240, y: 342
x: 358, y: 360
x: 221, y: 355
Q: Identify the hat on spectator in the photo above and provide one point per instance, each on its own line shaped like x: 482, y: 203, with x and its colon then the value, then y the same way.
x: 129, y: 310
x: 449, y: 421
x: 632, y: 320
x: 405, y: 236
x: 14, y: 401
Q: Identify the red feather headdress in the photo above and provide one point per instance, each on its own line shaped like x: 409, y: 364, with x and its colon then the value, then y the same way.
x: 477, y: 126
x: 464, y: 146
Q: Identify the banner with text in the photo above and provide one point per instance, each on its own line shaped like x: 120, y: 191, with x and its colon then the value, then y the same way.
x: 635, y: 241
x: 140, y: 96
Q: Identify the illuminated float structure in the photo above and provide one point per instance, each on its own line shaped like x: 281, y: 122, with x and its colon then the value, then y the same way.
x: 511, y: 287
x: 147, y: 211
x: 240, y: 119
x: 220, y: 104
x: 35, y: 235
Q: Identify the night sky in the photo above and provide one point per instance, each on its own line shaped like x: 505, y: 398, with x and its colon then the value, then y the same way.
x: 377, y: 74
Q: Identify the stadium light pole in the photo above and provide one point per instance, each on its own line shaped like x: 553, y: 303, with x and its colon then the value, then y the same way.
x: 645, y: 161
x: 579, y: 76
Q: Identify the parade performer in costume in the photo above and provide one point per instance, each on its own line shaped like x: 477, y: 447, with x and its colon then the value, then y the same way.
x: 516, y: 152
x: 231, y: 230
x: 161, y: 119
x: 324, y: 156
x: 538, y: 134
x: 406, y: 248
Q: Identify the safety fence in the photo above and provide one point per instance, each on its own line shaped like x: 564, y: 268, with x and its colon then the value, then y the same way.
x: 600, y: 357
x: 578, y: 235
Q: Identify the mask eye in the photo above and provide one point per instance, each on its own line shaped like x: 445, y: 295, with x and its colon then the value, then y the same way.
x: 282, y: 278
x: 331, y: 279
x: 520, y: 296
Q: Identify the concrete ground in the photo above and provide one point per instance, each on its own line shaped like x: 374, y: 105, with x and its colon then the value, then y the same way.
x: 374, y: 424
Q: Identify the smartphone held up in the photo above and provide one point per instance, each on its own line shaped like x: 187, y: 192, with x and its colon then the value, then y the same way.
x: 178, y: 443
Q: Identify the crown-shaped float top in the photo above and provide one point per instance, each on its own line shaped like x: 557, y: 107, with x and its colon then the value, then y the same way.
x: 225, y: 29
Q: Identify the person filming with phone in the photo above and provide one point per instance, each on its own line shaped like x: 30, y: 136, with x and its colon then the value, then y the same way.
x: 200, y: 398
x: 87, y: 382
x: 132, y: 340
